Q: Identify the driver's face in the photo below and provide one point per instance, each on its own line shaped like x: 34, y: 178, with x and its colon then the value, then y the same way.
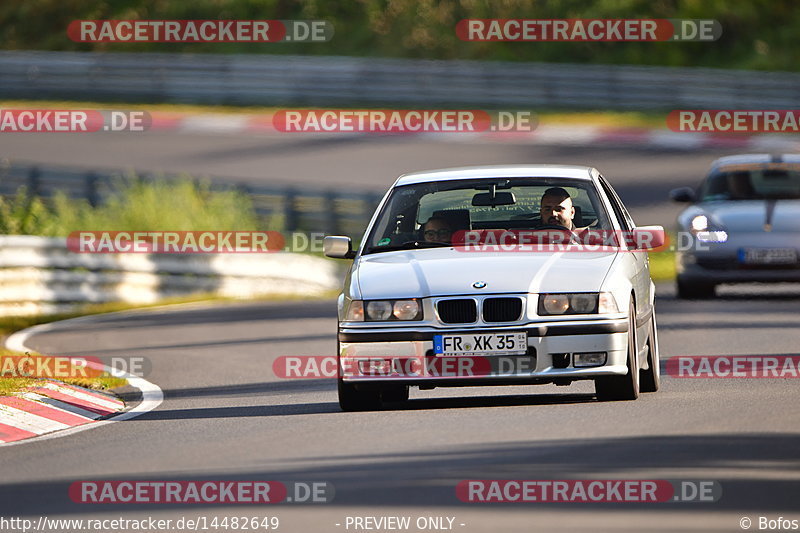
x: 555, y: 210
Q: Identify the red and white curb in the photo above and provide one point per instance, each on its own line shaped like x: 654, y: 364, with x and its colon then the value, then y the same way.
x: 545, y: 134
x: 52, y: 409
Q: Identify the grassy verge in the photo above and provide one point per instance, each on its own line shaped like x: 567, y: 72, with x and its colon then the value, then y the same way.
x: 10, y: 386
x: 662, y: 266
x: 625, y: 119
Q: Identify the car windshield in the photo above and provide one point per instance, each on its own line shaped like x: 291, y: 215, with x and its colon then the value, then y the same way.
x: 426, y: 215
x: 752, y: 184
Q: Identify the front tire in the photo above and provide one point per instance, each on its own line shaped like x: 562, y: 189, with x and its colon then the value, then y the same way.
x: 650, y: 379
x: 614, y: 388
x: 692, y: 290
x: 352, y: 399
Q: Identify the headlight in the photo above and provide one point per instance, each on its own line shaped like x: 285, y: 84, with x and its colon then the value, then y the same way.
x: 406, y: 309
x: 384, y: 310
x: 706, y: 233
x: 553, y: 304
x: 582, y: 303
x: 355, y: 311
x: 608, y: 304
x: 700, y: 223
x: 379, y: 310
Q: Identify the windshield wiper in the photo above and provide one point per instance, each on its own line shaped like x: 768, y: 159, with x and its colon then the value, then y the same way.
x: 408, y: 245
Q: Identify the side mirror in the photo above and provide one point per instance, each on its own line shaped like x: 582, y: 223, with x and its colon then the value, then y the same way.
x: 683, y: 195
x: 338, y: 247
x: 648, y: 237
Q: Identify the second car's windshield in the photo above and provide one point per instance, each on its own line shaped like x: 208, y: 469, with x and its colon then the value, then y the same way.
x: 752, y: 184
x: 428, y: 214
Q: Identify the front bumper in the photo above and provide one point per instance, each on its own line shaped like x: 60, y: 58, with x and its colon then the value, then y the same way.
x: 719, y: 262
x: 548, y: 358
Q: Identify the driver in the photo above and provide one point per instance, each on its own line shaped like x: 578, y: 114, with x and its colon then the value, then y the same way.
x: 557, y: 209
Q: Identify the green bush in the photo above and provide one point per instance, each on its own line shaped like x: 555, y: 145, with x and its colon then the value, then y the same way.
x: 181, y: 205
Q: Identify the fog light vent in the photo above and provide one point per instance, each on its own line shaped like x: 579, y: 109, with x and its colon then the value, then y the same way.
x: 560, y: 360
x: 585, y: 359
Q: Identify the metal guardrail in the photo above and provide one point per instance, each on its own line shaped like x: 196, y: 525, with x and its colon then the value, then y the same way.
x: 279, y: 80
x: 41, y: 275
x: 288, y: 209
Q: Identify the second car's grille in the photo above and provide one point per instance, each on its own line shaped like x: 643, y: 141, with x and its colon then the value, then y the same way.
x: 502, y: 309
x: 461, y: 311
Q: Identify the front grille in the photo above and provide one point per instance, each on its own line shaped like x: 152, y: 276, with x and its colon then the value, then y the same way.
x: 460, y: 311
x: 502, y: 309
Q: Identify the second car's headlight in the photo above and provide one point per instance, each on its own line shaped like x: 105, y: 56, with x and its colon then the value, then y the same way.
x: 384, y: 310
x: 581, y: 303
x: 707, y: 232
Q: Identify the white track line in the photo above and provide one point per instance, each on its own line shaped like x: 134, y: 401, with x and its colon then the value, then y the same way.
x: 152, y: 395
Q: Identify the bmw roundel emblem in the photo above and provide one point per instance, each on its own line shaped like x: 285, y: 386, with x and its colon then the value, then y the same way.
x: 479, y: 284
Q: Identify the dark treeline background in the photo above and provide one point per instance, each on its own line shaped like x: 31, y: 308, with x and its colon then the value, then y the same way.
x: 757, y: 34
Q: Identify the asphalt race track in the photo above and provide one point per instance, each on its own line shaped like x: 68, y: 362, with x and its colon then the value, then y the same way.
x: 226, y: 416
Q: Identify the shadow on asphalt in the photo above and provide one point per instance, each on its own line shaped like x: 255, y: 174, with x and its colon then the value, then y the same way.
x: 248, y: 389
x: 428, y: 477
x: 429, y: 404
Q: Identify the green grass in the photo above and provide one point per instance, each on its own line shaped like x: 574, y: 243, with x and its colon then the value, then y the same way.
x: 662, y: 266
x: 10, y: 385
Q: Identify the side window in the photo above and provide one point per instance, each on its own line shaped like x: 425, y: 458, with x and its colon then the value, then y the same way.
x: 624, y: 218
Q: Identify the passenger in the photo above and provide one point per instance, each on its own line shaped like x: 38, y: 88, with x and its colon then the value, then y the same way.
x: 437, y: 229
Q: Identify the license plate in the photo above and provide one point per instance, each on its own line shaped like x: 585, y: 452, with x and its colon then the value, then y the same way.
x: 504, y: 343
x: 768, y: 256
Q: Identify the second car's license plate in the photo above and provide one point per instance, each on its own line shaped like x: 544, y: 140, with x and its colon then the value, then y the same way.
x: 495, y: 343
x: 768, y: 256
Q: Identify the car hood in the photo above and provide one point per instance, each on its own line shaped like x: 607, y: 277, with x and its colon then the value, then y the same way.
x: 752, y: 215
x: 447, y: 271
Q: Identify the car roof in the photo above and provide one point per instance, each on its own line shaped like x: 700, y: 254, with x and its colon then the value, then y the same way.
x: 498, y: 171
x: 754, y: 159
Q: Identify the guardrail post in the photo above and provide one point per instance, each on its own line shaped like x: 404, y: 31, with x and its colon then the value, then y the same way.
x: 290, y: 211
x: 91, y: 189
x: 33, y: 181
x: 331, y: 217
